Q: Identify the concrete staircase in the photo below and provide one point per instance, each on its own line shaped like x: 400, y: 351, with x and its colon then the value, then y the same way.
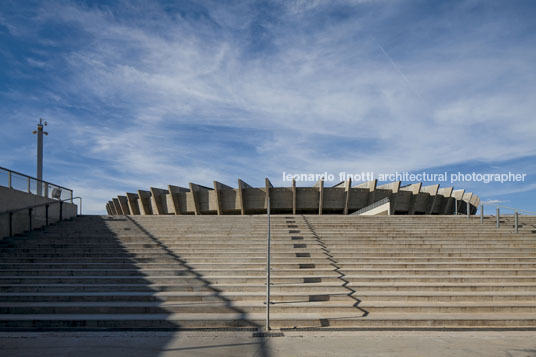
x: 327, y: 271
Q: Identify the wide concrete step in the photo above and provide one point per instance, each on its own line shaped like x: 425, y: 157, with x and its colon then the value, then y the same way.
x: 197, y: 296
x: 452, y: 260
x: 242, y: 262
x: 449, y: 287
x: 326, y: 286
x: 306, y: 270
x: 260, y: 270
x: 175, y: 248
x: 47, y: 242
x: 442, y: 278
x: 276, y: 296
x: 278, y: 320
x: 185, y: 279
x: 299, y: 256
x: 344, y: 265
x: 222, y: 254
x: 283, y: 257
x: 357, y: 232
x: 284, y: 287
x: 252, y: 263
x: 123, y: 307
x: 298, y: 248
x: 162, y: 253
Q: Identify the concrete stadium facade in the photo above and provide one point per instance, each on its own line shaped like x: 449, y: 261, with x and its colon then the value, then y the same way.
x: 343, y: 198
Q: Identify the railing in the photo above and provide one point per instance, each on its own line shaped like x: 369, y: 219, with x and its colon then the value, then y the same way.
x: 268, y: 264
x: 21, y: 182
x: 31, y: 209
x: 498, y: 214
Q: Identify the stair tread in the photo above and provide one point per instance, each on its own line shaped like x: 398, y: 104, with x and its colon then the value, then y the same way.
x: 274, y: 316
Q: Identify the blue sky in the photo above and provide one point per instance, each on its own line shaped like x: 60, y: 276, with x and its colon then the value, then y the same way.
x: 147, y: 93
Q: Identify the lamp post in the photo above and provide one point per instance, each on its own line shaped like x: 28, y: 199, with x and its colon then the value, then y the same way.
x: 40, y: 133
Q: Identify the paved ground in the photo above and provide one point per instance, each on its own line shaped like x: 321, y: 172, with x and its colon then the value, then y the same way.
x: 365, y: 343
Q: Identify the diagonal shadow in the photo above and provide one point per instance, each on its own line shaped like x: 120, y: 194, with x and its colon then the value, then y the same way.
x: 337, y: 269
x: 83, y: 267
x: 206, y: 283
x: 73, y: 276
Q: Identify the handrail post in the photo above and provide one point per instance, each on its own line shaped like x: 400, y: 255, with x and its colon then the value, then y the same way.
x: 46, y: 215
x: 268, y: 266
x: 9, y: 180
x: 498, y: 214
x: 29, y: 190
x: 30, y: 218
x: 481, y: 213
x: 61, y: 210
x: 516, y: 221
x: 468, y: 210
x: 10, y: 224
x: 455, y: 206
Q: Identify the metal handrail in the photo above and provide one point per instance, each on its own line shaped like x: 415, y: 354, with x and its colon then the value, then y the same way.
x: 9, y: 171
x: 44, y: 204
x: 506, y: 207
x: 31, y: 208
x: 498, y: 214
x: 268, y: 243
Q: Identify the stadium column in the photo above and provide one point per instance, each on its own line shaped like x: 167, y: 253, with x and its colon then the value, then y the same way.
x: 201, y: 197
x: 268, y: 187
x: 133, y: 203
x: 320, y: 185
x: 123, y: 202
x: 218, y: 186
x: 348, y: 189
x: 474, y: 203
x: 175, y: 193
x: 195, y: 197
x: 415, y: 195
x: 242, y: 195
x: 432, y: 191
x: 117, y: 206
x: 158, y: 200
x: 112, y: 207
x: 466, y: 199
x: 443, y: 206
x: 458, y: 196
x: 293, y: 196
x: 145, y: 200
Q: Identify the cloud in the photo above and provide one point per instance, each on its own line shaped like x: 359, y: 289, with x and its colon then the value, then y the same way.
x: 303, y: 86
x: 492, y: 202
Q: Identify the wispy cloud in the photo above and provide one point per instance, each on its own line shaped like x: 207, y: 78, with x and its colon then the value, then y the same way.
x: 152, y: 95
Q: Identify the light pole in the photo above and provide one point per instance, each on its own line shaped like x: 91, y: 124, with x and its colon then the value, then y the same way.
x: 40, y: 133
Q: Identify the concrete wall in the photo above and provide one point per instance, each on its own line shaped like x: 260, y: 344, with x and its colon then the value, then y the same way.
x: 11, y: 199
x: 318, y: 199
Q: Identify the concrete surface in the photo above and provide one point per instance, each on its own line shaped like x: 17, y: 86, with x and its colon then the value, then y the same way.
x: 241, y: 343
x: 11, y: 199
x: 327, y: 271
x: 339, y: 199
